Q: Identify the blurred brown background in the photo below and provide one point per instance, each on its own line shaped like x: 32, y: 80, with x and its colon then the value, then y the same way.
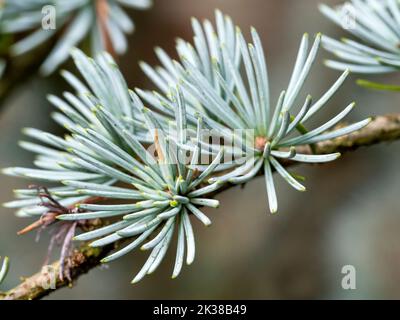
x: 349, y: 216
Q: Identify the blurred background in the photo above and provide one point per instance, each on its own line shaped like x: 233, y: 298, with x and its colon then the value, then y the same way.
x: 348, y: 216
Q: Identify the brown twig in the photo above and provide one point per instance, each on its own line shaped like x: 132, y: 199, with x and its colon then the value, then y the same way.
x: 381, y: 129
x: 46, y: 281
x: 103, y: 9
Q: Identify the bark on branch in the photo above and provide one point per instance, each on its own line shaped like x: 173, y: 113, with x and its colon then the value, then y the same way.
x: 47, y: 280
x: 381, y: 129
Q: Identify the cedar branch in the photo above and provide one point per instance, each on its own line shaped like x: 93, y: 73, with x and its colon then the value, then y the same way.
x: 382, y: 129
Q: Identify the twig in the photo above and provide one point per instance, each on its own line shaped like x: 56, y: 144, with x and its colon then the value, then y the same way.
x: 46, y: 281
x: 102, y: 8
x: 381, y: 129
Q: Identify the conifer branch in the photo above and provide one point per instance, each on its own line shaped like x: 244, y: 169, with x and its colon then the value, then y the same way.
x: 382, y: 129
